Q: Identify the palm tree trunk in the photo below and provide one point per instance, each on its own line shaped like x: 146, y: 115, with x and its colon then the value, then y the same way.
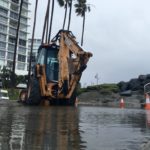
x: 45, y: 27
x: 66, y: 8
x: 70, y: 11
x: 16, y: 44
x: 83, y: 27
x: 33, y: 31
x: 51, y: 21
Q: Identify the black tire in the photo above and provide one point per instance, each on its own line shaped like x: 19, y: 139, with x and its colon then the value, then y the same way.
x: 34, y: 94
x: 65, y: 87
x: 64, y: 102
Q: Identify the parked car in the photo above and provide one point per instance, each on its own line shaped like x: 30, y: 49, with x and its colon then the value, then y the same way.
x: 4, y: 95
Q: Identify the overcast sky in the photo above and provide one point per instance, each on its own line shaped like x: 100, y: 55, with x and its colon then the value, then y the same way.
x: 117, y: 32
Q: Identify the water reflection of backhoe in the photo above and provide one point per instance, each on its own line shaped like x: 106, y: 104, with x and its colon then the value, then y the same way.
x: 55, y: 128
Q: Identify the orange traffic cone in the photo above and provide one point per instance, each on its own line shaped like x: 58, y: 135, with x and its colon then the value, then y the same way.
x: 122, y: 104
x: 147, y: 104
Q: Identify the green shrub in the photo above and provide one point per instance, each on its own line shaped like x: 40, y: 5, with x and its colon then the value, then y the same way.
x: 109, y: 87
x: 13, y: 94
x: 82, y: 90
x: 103, y: 89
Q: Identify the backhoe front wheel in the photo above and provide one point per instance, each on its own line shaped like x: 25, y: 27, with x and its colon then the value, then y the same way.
x: 34, y: 94
x: 23, y: 96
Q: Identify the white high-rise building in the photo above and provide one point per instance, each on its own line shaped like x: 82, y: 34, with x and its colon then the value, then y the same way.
x: 9, y: 14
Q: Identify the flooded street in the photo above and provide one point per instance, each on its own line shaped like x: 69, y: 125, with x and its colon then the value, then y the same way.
x: 70, y: 128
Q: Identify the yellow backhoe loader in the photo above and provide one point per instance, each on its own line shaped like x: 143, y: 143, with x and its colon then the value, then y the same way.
x: 57, y: 71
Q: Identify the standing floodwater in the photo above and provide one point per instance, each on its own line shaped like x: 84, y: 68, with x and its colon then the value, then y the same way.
x: 69, y: 128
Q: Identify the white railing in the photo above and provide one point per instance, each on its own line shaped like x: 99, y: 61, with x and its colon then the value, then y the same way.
x: 145, y: 88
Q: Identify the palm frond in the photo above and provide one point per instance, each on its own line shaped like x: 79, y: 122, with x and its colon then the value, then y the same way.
x: 61, y: 3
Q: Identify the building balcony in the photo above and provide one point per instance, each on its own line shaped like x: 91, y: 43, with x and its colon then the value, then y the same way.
x: 15, y: 1
x: 4, y: 4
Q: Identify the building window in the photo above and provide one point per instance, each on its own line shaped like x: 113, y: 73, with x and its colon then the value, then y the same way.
x: 2, y: 37
x: 22, y: 35
x: 9, y: 64
x: 21, y: 58
x: 25, y: 5
x: 14, y: 7
x: 11, y: 47
x: 22, y: 50
x: 23, y: 27
x: 12, y: 31
x: 15, y: 1
x: 2, y: 45
x: 21, y: 66
x: 3, y: 11
x: 12, y: 39
x: 14, y: 15
x: 3, y: 19
x: 2, y: 54
x: 23, y: 20
x: 24, y: 12
x: 3, y: 28
x: 2, y: 62
x: 22, y: 42
x: 13, y: 23
x: 10, y: 56
x: 4, y: 3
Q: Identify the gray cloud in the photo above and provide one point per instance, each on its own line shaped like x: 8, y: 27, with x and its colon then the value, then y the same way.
x: 118, y: 34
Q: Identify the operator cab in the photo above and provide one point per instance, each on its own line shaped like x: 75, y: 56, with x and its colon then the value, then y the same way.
x: 48, y: 56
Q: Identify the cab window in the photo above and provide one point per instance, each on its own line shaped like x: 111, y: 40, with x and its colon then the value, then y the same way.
x: 41, y: 57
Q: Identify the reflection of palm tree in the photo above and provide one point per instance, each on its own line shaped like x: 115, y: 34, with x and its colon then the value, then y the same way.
x: 65, y: 4
x: 81, y: 9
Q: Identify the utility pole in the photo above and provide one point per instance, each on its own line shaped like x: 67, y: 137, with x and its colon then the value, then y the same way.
x: 97, y: 78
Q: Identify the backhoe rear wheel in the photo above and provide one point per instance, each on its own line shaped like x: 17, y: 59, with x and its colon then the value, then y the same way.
x: 64, y: 102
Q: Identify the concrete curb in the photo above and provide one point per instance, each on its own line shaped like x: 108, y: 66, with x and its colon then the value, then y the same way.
x: 146, y: 146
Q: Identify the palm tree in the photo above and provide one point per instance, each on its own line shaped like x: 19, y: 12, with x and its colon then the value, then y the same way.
x: 66, y: 9
x: 70, y: 12
x: 47, y: 28
x: 51, y: 20
x: 65, y: 4
x: 81, y: 9
x: 16, y: 43
x: 46, y: 23
x: 33, y: 32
